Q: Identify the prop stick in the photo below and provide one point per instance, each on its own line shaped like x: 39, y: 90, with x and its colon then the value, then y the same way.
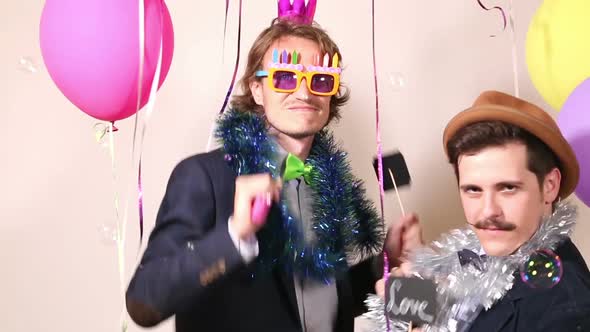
x: 399, y: 200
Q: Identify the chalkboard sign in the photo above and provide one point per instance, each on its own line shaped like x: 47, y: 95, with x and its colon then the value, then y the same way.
x: 411, y: 299
x: 394, y: 165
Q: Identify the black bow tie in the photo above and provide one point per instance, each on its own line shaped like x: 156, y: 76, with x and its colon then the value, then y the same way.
x: 467, y: 256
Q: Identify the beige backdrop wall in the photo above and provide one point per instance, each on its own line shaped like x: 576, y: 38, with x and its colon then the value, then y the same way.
x: 57, y: 274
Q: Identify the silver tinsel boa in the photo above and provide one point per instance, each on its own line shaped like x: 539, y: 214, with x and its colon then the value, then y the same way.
x: 463, y: 291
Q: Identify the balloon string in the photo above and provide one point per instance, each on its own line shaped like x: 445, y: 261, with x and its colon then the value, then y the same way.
x: 149, y: 108
x: 514, y: 56
x: 514, y: 53
x: 379, y: 147
x: 118, y: 234
x: 137, y: 144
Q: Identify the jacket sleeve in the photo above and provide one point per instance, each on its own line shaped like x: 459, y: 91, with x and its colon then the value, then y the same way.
x: 363, y: 277
x: 187, y: 251
x: 566, y: 317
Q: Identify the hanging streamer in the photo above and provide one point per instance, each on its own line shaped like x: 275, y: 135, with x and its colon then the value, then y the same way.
x: 137, y: 114
x: 100, y: 133
x: 237, y: 62
x: 496, y: 8
x: 379, y: 145
x: 236, y: 66
x: 138, y: 143
x: 224, y: 30
x: 512, y: 39
x: 149, y: 108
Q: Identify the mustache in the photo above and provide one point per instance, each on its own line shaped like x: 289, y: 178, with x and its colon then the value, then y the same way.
x: 309, y: 103
x: 494, y: 224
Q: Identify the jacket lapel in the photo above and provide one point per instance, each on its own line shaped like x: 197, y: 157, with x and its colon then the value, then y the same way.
x: 284, y: 279
x: 504, y: 311
x: 507, y: 308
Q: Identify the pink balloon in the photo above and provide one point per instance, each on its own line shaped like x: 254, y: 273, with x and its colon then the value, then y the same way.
x: 91, y: 50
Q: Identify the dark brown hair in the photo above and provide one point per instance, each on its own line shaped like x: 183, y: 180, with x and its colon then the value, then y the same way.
x: 477, y: 136
x: 277, y: 30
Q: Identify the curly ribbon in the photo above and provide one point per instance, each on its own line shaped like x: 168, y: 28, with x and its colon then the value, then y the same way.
x: 149, y: 108
x: 512, y: 39
x: 379, y: 144
x: 497, y: 8
x: 236, y: 66
x: 237, y: 62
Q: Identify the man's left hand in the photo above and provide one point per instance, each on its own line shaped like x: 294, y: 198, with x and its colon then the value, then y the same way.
x: 403, y: 237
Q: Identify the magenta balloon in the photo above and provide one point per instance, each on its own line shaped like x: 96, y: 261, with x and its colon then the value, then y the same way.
x: 91, y: 51
x: 574, y: 123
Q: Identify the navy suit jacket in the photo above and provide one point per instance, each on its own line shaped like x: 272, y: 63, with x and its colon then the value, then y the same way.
x: 564, y: 307
x: 191, y: 268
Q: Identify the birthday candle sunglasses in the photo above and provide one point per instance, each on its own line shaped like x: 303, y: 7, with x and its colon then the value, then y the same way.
x: 286, y: 75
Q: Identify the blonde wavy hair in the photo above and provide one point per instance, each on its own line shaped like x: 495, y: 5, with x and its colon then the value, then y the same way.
x: 277, y: 30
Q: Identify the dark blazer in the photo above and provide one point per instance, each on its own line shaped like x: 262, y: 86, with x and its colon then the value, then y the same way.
x: 191, y: 268
x: 564, y: 307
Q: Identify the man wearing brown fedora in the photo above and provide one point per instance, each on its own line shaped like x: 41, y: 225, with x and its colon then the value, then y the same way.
x: 514, y: 267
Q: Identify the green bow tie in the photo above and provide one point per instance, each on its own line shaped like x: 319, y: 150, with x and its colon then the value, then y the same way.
x: 295, y: 168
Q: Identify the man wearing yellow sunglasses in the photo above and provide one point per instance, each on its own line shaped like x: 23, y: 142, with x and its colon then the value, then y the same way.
x: 216, y: 264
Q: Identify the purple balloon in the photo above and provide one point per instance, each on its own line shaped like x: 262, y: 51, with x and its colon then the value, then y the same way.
x: 574, y: 122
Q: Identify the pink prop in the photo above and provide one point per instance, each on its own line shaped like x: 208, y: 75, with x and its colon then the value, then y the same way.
x: 260, y: 209
x: 297, y: 12
x: 91, y: 50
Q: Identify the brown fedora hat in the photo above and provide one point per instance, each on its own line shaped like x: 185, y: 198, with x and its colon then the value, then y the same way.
x: 498, y: 106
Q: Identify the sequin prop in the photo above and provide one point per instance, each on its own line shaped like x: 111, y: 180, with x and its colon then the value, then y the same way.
x: 466, y: 287
x: 297, y: 11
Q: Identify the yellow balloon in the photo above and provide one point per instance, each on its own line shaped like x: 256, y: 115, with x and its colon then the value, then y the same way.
x: 558, y: 48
